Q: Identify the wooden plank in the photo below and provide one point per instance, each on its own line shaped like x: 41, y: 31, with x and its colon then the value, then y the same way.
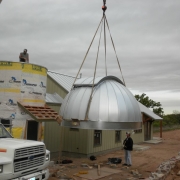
x: 40, y: 131
x: 92, y: 174
x: 25, y: 130
x: 99, y: 170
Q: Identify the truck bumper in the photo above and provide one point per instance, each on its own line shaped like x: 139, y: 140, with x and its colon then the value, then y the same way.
x: 42, y: 175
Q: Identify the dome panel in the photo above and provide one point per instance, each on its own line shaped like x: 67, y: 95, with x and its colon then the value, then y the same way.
x: 113, y: 105
x: 122, y: 109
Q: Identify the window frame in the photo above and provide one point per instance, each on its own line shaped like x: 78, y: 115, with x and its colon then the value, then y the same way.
x: 98, y: 132
x: 74, y: 129
x: 138, y: 131
x: 119, y: 138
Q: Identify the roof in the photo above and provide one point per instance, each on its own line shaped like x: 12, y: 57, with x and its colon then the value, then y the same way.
x: 54, y: 98
x: 38, y: 113
x: 112, y: 106
x: 88, y: 81
x: 148, y: 112
x: 63, y: 80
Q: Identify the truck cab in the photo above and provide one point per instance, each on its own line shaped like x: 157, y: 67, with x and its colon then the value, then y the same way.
x: 22, y: 159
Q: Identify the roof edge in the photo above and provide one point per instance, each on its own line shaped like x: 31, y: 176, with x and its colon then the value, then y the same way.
x: 103, y: 79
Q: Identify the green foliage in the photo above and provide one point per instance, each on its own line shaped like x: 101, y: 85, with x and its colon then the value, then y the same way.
x: 170, y: 120
x: 149, y: 103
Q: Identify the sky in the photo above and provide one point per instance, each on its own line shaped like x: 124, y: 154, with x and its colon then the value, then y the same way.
x: 57, y: 34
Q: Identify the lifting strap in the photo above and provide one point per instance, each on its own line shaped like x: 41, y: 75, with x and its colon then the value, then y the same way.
x: 92, y: 89
x: 105, y: 41
x: 87, y: 53
x: 115, y: 51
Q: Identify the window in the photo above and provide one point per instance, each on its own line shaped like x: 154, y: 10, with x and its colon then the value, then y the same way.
x: 97, y: 137
x: 117, y: 136
x: 138, y: 131
x: 4, y: 133
x: 74, y: 129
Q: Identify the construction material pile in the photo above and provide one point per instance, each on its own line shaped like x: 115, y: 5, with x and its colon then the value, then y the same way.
x: 167, y: 168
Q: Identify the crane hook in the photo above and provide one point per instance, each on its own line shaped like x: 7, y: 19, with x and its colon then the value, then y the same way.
x: 104, y: 7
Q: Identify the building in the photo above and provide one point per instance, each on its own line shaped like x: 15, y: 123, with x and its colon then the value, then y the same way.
x: 82, y: 142
x: 23, y: 108
x: 30, y: 99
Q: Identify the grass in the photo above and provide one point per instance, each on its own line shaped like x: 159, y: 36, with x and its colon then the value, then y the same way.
x: 166, y: 128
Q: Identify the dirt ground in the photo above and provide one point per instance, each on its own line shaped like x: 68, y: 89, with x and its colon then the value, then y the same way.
x: 145, y: 161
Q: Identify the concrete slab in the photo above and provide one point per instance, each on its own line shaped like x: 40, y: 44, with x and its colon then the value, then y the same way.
x: 154, y: 141
x: 93, y: 174
x: 140, y: 147
x: 157, y: 138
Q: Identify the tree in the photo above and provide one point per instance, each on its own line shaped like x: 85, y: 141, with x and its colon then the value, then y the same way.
x: 176, y: 112
x: 149, y: 103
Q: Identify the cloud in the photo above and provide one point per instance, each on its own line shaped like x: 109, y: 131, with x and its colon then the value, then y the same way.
x: 57, y: 35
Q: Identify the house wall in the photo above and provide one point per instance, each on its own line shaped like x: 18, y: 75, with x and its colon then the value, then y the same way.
x: 54, y: 87
x: 81, y: 143
x: 137, y: 137
x: 108, y: 142
x: 52, y: 135
x: 75, y: 142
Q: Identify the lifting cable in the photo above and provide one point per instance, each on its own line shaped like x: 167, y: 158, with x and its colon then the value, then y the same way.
x: 87, y: 53
x: 92, y: 89
x: 105, y: 36
x: 84, y: 59
x: 115, y: 50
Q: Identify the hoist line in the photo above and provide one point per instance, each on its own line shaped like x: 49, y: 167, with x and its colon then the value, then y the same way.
x: 115, y: 51
x: 105, y: 42
x: 84, y: 60
x: 86, y: 53
x: 92, y: 89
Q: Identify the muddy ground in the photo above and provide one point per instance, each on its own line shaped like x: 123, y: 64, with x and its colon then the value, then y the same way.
x: 144, y: 162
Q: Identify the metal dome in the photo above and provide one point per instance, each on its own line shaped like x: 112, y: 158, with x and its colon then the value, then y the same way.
x: 112, y: 106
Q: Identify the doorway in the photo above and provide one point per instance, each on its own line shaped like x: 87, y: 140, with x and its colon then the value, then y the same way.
x: 147, y: 130
x: 32, y: 130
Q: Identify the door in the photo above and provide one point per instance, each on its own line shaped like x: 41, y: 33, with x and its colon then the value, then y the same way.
x: 32, y: 130
x: 147, y: 130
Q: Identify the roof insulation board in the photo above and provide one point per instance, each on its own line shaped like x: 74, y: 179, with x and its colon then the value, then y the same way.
x: 40, y: 113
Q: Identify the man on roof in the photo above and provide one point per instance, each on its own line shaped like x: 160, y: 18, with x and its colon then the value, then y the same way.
x: 24, y: 56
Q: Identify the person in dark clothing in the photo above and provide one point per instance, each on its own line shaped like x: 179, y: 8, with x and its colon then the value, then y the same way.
x: 128, y: 147
x: 24, y: 56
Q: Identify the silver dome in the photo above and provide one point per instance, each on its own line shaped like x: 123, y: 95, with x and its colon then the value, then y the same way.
x: 112, y: 107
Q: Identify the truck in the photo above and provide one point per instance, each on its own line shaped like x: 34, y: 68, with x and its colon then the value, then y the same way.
x: 22, y: 159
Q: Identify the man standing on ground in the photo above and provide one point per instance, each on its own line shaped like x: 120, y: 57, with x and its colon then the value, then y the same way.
x: 24, y: 56
x: 128, y: 147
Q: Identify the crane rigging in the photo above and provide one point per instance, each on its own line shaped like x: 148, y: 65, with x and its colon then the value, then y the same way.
x: 103, y: 22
